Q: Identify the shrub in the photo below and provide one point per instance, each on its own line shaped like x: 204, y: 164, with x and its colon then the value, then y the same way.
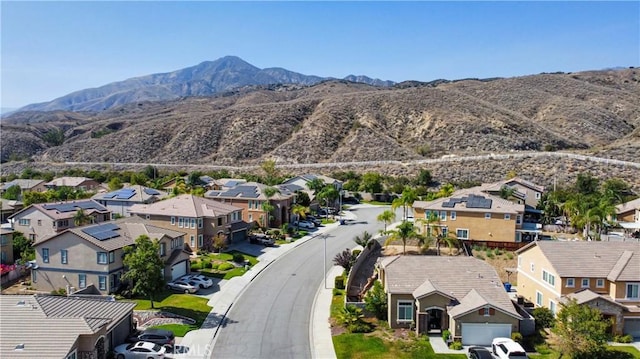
x: 445, y: 335
x: 208, y: 265
x: 225, y: 266
x: 339, y: 282
x: 623, y: 338
x: 480, y: 256
x: 497, y: 251
x: 238, y: 258
x: 63, y: 292
x: 455, y: 346
x: 196, y: 265
x: 490, y: 254
x: 542, y: 348
x: 337, y: 291
x: 516, y: 337
x: 215, y: 266
x: 544, y: 317
x: 356, y: 252
x: 351, y: 317
x: 376, y: 301
x: 509, y: 255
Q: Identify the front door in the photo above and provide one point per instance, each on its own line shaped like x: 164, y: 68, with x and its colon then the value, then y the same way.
x: 435, y: 319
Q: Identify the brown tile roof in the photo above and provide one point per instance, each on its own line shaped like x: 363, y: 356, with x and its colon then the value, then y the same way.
x: 456, y: 277
x: 185, y: 205
x: 140, y: 194
x: 25, y: 184
x: 586, y: 295
x: 68, y: 181
x: 628, y: 206
x: 66, y: 210
x: 461, y: 197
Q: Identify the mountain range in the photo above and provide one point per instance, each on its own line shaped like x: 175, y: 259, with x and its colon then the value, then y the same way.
x: 205, y: 79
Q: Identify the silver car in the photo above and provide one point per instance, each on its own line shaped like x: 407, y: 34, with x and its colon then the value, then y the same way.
x: 183, y: 286
x: 201, y: 280
x: 142, y: 350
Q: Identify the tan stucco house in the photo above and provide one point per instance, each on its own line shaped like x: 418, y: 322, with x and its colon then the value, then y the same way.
x: 26, y: 185
x: 87, y: 256
x: 120, y: 201
x: 201, y: 219
x: 461, y: 294
x: 603, y: 274
x: 59, y: 327
x: 76, y: 183
x: 628, y: 216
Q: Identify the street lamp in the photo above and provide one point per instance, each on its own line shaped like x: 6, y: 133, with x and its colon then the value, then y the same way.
x: 324, y: 262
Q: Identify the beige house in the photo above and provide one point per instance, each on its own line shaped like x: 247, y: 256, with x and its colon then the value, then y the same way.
x: 76, y: 183
x: 58, y: 327
x: 26, y: 185
x: 628, y: 216
x: 92, y: 256
x: 524, y: 192
x: 461, y: 294
x: 119, y: 202
x: 603, y: 274
x: 201, y: 219
x: 45, y: 219
x: 471, y: 214
x: 251, y: 195
x: 9, y: 208
x: 6, y: 246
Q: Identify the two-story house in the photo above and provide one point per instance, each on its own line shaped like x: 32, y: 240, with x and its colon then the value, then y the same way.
x: 628, y: 217
x: 26, y: 185
x: 6, y: 246
x: 46, y: 326
x: 605, y: 275
x: 470, y: 214
x: 93, y: 255
x: 461, y: 294
x: 302, y: 182
x: 76, y: 183
x: 201, y: 219
x: 40, y: 220
x: 9, y: 208
x: 251, y: 195
x: 119, y: 202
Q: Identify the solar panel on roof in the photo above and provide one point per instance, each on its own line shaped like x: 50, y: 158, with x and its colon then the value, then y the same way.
x: 448, y: 205
x: 101, y: 236
x: 89, y: 205
x: 109, y: 195
x: 151, y: 192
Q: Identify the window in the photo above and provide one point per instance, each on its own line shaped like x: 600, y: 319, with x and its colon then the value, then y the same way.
x: 34, y: 276
x: 462, y: 233
x: 193, y: 223
x: 199, y: 222
x: 163, y: 249
x: 82, y: 281
x: 507, y: 217
x: 443, y: 215
x: 519, y: 219
x: 64, y: 259
x: 219, y: 221
x: 552, y: 307
x: 112, y: 257
x: 487, y: 311
x: 192, y: 240
x: 200, y: 240
x: 600, y: 283
x: 63, y: 223
x: 537, y: 195
x: 102, y: 282
x: 32, y: 237
x: 45, y: 255
x: 72, y: 355
x: 571, y: 282
x: 250, y: 217
x: 585, y: 283
x: 632, y: 290
x: 180, y: 222
x: 113, y: 216
x: 487, y: 216
x: 102, y: 257
x: 405, y: 311
x: 539, y: 298
x: 39, y: 222
x: 24, y: 221
x: 173, y: 221
x: 548, y: 277
x: 444, y: 231
x: 453, y: 215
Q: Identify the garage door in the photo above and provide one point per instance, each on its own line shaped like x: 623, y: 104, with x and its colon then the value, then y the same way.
x: 483, y: 334
x: 632, y: 326
x: 178, y: 270
x: 239, y: 236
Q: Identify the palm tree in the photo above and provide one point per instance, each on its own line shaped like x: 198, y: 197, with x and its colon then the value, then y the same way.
x: 405, y: 200
x: 81, y: 218
x: 364, y: 239
x: 386, y: 217
x: 432, y: 222
x: 267, y: 206
x: 299, y: 211
x: 451, y: 242
x: 506, y: 192
x: 405, y: 231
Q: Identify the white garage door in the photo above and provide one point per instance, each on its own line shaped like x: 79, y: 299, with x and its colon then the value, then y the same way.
x: 178, y: 270
x: 483, y: 334
x: 632, y: 326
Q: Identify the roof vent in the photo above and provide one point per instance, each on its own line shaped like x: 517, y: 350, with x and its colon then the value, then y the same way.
x: 21, y: 303
x: 19, y: 347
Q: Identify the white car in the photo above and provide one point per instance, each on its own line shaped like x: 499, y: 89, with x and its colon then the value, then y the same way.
x: 506, y: 348
x: 201, y: 280
x: 142, y: 350
x: 304, y: 224
x: 183, y: 286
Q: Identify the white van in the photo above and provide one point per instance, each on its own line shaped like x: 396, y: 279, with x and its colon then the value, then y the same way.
x: 506, y: 348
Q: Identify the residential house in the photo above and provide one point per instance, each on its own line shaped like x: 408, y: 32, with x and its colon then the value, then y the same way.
x: 9, y: 208
x: 76, y: 183
x: 628, y: 216
x: 6, y: 246
x: 303, y: 181
x: 461, y: 294
x: 471, y: 214
x: 524, y: 192
x: 119, y: 202
x: 26, y: 185
x: 79, y: 258
x: 201, y: 219
x: 251, y: 195
x: 54, y: 327
x: 40, y: 220
x: 605, y: 275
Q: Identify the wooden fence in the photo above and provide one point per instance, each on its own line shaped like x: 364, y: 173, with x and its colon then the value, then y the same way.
x: 509, y: 246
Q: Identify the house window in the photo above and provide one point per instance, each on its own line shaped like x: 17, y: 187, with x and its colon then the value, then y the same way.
x: 487, y: 216
x: 444, y: 231
x: 173, y: 221
x: 599, y: 283
x: 82, y: 281
x: 632, y: 291
x: 585, y: 283
x: 405, y: 311
x: 193, y: 223
x: 250, y: 217
x: 112, y: 257
x: 453, y: 215
x: 537, y: 195
x: 571, y: 282
x: 63, y: 223
x: 200, y: 240
x: 163, y: 249
x: 487, y: 311
x: 443, y: 215
x: 64, y: 259
x: 39, y: 222
x: 507, y: 217
x: 552, y: 307
x: 199, y: 222
x: 102, y: 282
x: 192, y: 240
x: 462, y: 233
x: 180, y: 221
x: 32, y: 237
x: 219, y: 221
x: 45, y: 255
x: 519, y: 219
x: 548, y: 277
x: 72, y: 355
x: 539, y: 298
x: 24, y: 221
x: 102, y: 257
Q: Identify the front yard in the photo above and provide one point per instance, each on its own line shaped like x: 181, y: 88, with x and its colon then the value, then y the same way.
x: 223, y: 265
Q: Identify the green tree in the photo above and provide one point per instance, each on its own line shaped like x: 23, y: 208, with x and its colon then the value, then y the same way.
x: 405, y: 201
x: 299, y: 211
x: 581, y: 331
x: 376, y: 301
x: 114, y: 184
x: 138, y: 179
x: 586, y: 184
x: 616, y: 190
x: 371, y: 183
x: 387, y: 217
x: 423, y: 178
x: 363, y: 240
x: 194, y: 179
x: 544, y: 317
x: 22, y: 248
x: 12, y: 193
x: 144, y: 267
x: 30, y: 198
x: 404, y: 232
x: 507, y: 192
x: 272, y: 176
x: 445, y: 191
x: 329, y: 195
x: 81, y: 218
x: 267, y: 206
x: 302, y: 198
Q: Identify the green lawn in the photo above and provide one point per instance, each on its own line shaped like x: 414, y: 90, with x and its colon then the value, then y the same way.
x: 362, y: 346
x: 613, y: 352
x: 218, y: 258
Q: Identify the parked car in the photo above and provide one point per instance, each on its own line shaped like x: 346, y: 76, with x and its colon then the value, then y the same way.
x: 140, y: 350
x: 304, y: 224
x: 479, y: 353
x: 153, y: 335
x: 183, y: 286
x: 261, y: 238
x: 506, y: 348
x: 316, y: 221
x: 201, y: 280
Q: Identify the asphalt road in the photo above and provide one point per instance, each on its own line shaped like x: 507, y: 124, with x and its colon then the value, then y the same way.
x: 271, y: 319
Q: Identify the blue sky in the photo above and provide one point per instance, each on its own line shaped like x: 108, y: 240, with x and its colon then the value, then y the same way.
x: 50, y: 49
